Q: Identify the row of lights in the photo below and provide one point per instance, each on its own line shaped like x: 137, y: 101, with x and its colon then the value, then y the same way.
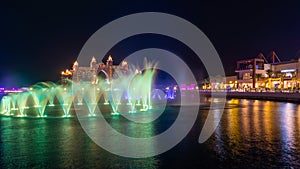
x: 66, y: 73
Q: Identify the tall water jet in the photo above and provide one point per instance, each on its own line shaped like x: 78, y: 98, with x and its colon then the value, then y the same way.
x: 65, y: 97
x: 13, y: 102
x: 90, y: 98
x: 22, y: 102
x: 51, y: 96
x: 40, y: 97
x: 5, y: 105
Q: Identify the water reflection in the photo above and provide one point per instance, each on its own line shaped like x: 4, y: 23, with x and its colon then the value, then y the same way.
x: 260, y: 132
x: 251, y: 134
x: 219, y: 148
x: 287, y: 117
x: 58, y: 143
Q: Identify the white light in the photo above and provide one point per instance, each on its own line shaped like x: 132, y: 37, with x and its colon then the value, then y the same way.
x: 288, y: 70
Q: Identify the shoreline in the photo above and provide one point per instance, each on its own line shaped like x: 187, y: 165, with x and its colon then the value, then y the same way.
x: 272, y: 96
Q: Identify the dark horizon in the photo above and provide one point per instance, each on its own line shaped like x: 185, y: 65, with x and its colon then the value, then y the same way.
x: 38, y: 40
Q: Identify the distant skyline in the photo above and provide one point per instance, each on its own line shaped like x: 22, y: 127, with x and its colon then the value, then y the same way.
x: 40, y: 39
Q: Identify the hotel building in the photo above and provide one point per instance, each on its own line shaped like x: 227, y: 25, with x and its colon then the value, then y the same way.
x: 92, y: 72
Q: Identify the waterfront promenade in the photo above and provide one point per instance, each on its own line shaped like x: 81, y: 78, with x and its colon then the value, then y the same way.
x: 275, y: 96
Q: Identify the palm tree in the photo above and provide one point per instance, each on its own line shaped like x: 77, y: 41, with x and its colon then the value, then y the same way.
x: 270, y: 73
x: 258, y: 76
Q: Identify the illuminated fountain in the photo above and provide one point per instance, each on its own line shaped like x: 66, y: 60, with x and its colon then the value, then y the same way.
x: 130, y: 90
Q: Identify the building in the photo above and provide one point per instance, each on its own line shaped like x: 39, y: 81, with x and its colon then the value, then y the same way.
x: 285, y: 75
x: 248, y: 72
x: 231, y: 82
x: 92, y: 72
x: 259, y: 73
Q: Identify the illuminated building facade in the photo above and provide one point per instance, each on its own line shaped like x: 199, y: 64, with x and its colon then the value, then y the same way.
x: 248, y: 72
x: 92, y: 72
x: 258, y: 73
x: 285, y: 75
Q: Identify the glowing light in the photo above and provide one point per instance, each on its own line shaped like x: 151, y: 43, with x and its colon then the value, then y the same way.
x: 136, y: 71
x: 124, y: 63
x: 13, y: 91
x: 145, y: 108
x: 132, y: 111
x: 21, y: 115
x: 115, y: 113
x: 66, y: 73
x: 183, y: 87
x: 288, y: 70
x: 66, y: 115
x: 191, y: 87
x: 109, y: 58
x: 93, y: 60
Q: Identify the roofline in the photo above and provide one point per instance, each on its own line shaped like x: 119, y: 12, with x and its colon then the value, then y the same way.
x: 285, y: 62
x: 250, y: 60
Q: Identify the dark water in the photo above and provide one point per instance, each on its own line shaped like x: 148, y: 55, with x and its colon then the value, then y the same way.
x: 252, y: 134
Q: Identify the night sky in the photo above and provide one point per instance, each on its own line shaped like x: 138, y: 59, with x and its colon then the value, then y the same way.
x: 39, y: 39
